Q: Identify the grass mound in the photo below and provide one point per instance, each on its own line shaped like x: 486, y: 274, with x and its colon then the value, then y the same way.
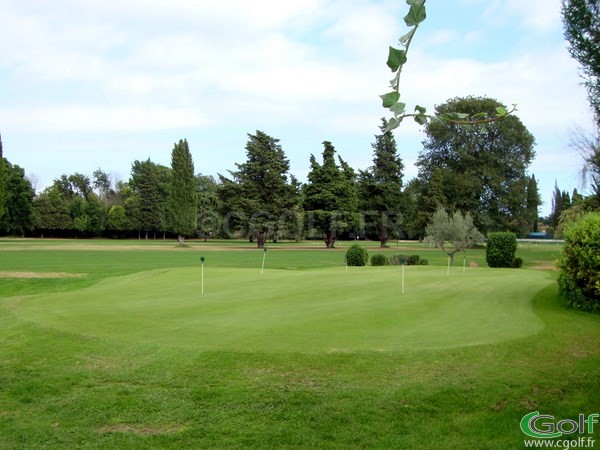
x: 324, y: 310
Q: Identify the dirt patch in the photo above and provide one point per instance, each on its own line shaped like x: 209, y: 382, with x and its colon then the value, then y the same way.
x: 40, y: 275
x: 544, y: 265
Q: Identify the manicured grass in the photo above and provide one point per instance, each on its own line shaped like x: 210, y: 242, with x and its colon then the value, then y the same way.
x: 306, y: 356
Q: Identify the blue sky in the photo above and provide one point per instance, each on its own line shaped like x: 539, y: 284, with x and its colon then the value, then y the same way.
x: 101, y: 83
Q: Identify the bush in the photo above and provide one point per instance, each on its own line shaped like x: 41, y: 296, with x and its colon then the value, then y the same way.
x: 357, y: 256
x: 517, y: 263
x: 413, y: 260
x: 579, y: 278
x: 500, y: 250
x: 379, y: 260
x: 424, y: 262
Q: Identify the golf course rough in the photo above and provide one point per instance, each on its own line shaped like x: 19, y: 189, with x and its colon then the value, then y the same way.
x: 308, y: 311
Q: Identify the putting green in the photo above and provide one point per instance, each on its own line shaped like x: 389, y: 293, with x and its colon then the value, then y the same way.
x: 325, y: 310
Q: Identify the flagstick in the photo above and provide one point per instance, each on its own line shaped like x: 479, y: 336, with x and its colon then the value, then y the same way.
x: 262, y: 269
x: 346, y: 261
x: 464, y: 263
x: 402, y: 279
x: 448, y: 272
x: 202, y: 261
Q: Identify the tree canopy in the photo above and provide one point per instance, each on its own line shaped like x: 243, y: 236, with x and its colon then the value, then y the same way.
x: 262, y: 191
x: 331, y: 196
x: 381, y: 184
x: 478, y: 168
x: 581, y: 19
x: 183, y: 197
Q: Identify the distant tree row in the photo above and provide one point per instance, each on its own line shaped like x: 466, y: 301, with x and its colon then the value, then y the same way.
x: 481, y: 170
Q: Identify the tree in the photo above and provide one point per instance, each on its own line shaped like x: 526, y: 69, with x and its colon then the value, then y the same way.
x: 581, y: 20
x: 18, y: 217
x: 478, y: 168
x: 144, y: 182
x: 533, y: 203
x: 262, y: 188
x: 588, y: 147
x: 51, y: 211
x: 117, y: 219
x: 103, y: 186
x: 331, y: 196
x: 183, y: 198
x: 381, y: 185
x: 457, y: 230
x: 2, y: 181
x: 209, y: 205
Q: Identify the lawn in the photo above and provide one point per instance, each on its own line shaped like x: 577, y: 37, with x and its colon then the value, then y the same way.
x: 128, y: 353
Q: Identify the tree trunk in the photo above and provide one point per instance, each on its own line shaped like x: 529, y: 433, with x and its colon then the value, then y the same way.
x: 146, y: 235
x: 329, y: 238
x: 181, y: 240
x: 261, y: 238
x: 383, y: 232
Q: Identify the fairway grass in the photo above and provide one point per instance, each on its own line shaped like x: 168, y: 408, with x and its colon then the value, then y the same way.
x: 324, y: 310
x: 130, y: 355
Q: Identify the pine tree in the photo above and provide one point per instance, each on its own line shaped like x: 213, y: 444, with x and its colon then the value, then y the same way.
x: 381, y: 184
x: 183, y: 197
x: 2, y: 181
x: 262, y: 190
x: 533, y: 203
x: 331, y: 196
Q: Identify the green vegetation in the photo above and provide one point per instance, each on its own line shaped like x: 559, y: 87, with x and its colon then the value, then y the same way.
x: 579, y: 280
x: 500, y: 249
x: 357, y: 255
x: 129, y: 355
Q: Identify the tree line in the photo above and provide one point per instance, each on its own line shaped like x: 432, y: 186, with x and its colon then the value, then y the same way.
x: 482, y: 170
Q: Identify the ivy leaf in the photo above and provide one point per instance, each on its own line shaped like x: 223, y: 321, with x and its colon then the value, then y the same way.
x: 501, y: 111
x: 390, y: 99
x: 480, y: 116
x: 398, y: 108
x: 396, y: 58
x: 392, y: 124
x: 421, y: 119
x: 416, y: 14
x: 420, y: 109
x: 407, y: 37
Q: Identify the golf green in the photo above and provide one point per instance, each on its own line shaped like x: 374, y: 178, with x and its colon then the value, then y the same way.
x: 309, y: 311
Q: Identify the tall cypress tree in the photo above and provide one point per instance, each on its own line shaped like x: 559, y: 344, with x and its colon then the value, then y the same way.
x: 183, y: 196
x: 331, y: 196
x: 381, y: 184
x: 533, y: 203
x: 262, y: 188
x: 2, y: 181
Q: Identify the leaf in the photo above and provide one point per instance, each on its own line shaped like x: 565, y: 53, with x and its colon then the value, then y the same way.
x: 421, y: 119
x: 396, y: 58
x: 392, y: 124
x: 501, y: 111
x: 479, y: 116
x: 420, y: 109
x: 407, y: 37
x: 398, y: 108
x: 416, y: 14
x: 390, y: 99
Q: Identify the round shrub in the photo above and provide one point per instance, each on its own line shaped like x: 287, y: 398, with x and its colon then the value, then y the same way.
x: 357, y: 256
x: 579, y: 278
x: 517, y: 263
x: 379, y: 260
x: 423, y: 262
x: 500, y: 250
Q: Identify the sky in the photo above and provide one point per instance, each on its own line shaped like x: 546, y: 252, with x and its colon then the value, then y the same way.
x: 101, y: 83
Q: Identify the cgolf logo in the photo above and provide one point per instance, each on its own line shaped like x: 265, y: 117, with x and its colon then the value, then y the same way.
x: 544, y: 426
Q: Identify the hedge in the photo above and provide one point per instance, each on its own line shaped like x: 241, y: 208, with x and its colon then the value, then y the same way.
x: 500, y: 250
